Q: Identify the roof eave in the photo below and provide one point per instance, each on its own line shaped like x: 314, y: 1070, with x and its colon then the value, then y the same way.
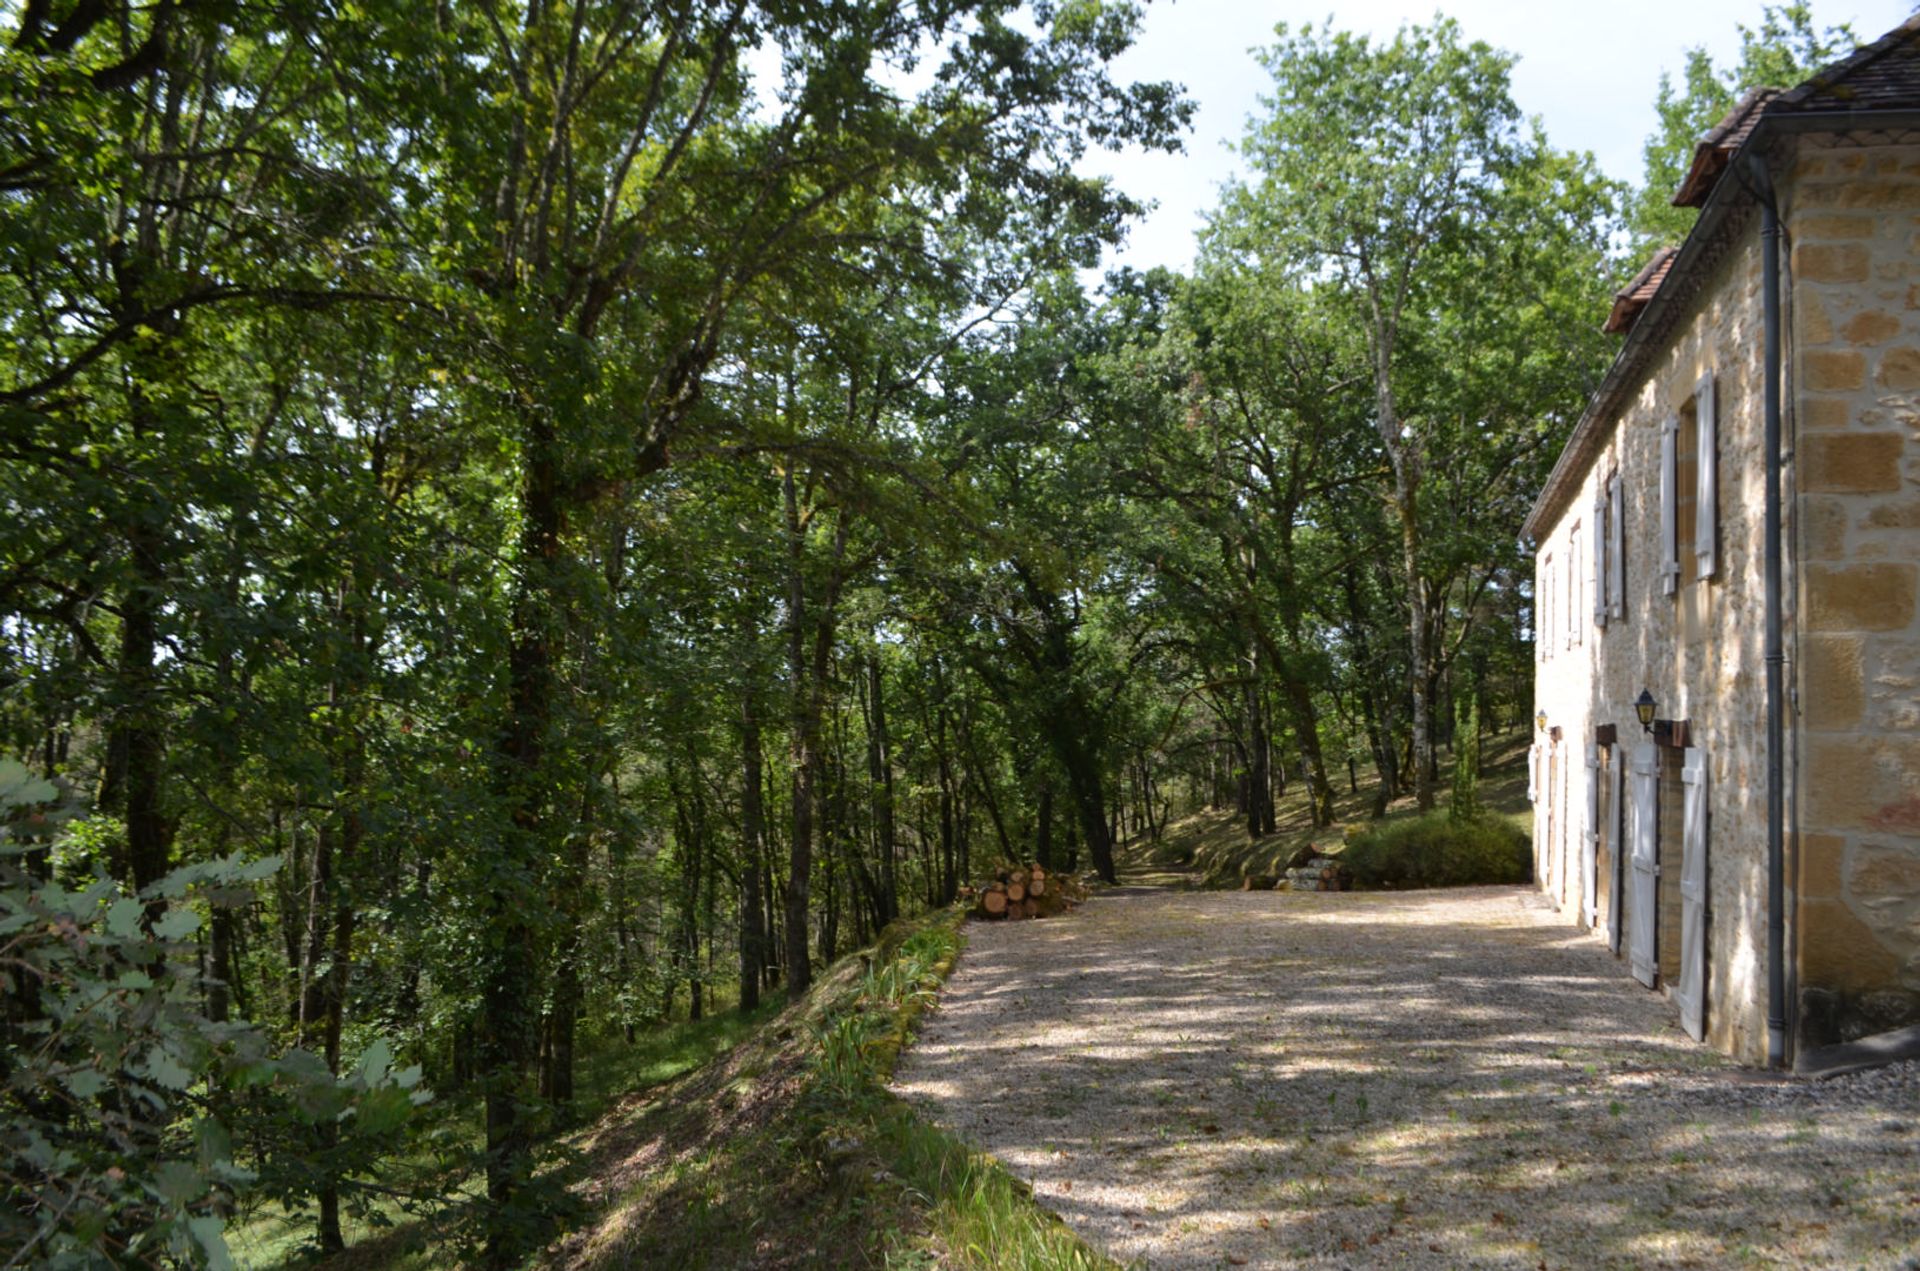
x: 1563, y: 479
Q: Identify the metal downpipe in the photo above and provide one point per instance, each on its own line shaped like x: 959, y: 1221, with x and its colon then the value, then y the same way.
x: 1775, y: 639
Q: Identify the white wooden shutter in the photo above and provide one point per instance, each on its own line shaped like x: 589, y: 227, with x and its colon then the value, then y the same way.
x: 1542, y: 587
x: 1616, y: 841
x: 1542, y: 824
x: 1616, y: 554
x: 1549, y: 581
x: 1693, y: 896
x: 1706, y: 504
x: 1575, y: 610
x: 1600, y: 529
x: 1561, y: 814
x: 1669, y: 513
x: 1590, y: 843
x: 1641, y: 913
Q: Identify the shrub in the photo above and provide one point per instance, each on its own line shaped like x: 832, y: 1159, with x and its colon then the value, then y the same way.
x: 1172, y: 852
x: 1436, y: 851
x: 1465, y: 806
x: 117, y: 1108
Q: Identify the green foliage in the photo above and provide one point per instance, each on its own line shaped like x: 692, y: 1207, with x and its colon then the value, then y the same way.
x: 1434, y: 850
x: 117, y: 1119
x: 1173, y: 851
x: 465, y: 458
x: 1784, y: 49
x: 1464, y: 807
x: 1398, y: 198
x: 858, y: 1041
x: 981, y: 1216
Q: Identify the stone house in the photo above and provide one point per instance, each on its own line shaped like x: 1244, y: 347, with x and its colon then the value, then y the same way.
x: 1754, y: 849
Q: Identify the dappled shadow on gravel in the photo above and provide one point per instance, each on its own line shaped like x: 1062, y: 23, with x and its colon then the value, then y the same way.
x: 1440, y: 1078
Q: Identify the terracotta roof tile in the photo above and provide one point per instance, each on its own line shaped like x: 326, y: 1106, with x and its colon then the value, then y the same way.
x: 1882, y: 75
x: 1711, y: 155
x: 1632, y: 298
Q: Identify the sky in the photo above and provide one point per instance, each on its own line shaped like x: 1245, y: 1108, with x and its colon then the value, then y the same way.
x: 1590, y: 74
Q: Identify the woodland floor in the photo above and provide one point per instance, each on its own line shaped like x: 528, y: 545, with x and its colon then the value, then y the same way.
x: 1445, y: 1078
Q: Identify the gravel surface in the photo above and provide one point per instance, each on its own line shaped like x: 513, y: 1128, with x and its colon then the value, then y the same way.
x: 1450, y: 1078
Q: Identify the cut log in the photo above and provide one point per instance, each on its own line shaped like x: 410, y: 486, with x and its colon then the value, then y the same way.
x: 1011, y: 889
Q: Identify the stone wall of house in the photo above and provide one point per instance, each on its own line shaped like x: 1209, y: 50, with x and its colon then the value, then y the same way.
x: 1698, y: 652
x: 1853, y: 213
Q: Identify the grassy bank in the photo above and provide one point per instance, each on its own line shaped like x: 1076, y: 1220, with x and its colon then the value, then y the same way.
x: 765, y: 1140
x: 791, y: 1152
x: 398, y: 1233
x: 1211, y: 848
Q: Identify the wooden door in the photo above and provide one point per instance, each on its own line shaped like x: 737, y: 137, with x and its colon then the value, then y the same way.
x: 1616, y: 844
x: 1693, y: 895
x: 1539, y: 823
x: 1643, y: 908
x: 1556, y: 827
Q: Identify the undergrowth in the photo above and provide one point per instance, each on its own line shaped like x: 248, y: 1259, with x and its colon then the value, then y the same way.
x: 1437, y: 851
x: 837, y: 1171
x: 415, y: 1237
x: 1210, y: 847
x: 978, y: 1215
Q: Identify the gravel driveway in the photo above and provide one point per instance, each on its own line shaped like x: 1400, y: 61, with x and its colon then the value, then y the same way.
x: 1449, y: 1078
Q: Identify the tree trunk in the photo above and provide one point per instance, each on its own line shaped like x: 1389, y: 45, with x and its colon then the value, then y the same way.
x: 1043, y: 828
x: 809, y: 681
x: 1418, y: 673
x: 880, y: 778
x: 1089, y: 803
x: 136, y: 749
x: 1259, y: 787
x: 509, y: 975
x: 1306, y: 722
x: 971, y: 755
x: 752, y: 956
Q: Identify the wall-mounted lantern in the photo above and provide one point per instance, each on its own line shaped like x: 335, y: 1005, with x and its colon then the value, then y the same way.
x: 1540, y: 720
x: 1644, y: 707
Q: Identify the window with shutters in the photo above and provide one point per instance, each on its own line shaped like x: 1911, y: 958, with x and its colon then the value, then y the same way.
x: 1686, y: 485
x: 1690, y: 490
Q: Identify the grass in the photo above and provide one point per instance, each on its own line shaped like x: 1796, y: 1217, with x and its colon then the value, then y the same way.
x: 811, y: 1161
x: 1211, y: 849
x: 740, y: 1140
x: 387, y: 1235
x: 773, y: 1137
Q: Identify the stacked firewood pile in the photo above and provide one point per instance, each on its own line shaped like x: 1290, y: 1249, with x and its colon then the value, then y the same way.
x: 1024, y: 891
x: 1319, y: 873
